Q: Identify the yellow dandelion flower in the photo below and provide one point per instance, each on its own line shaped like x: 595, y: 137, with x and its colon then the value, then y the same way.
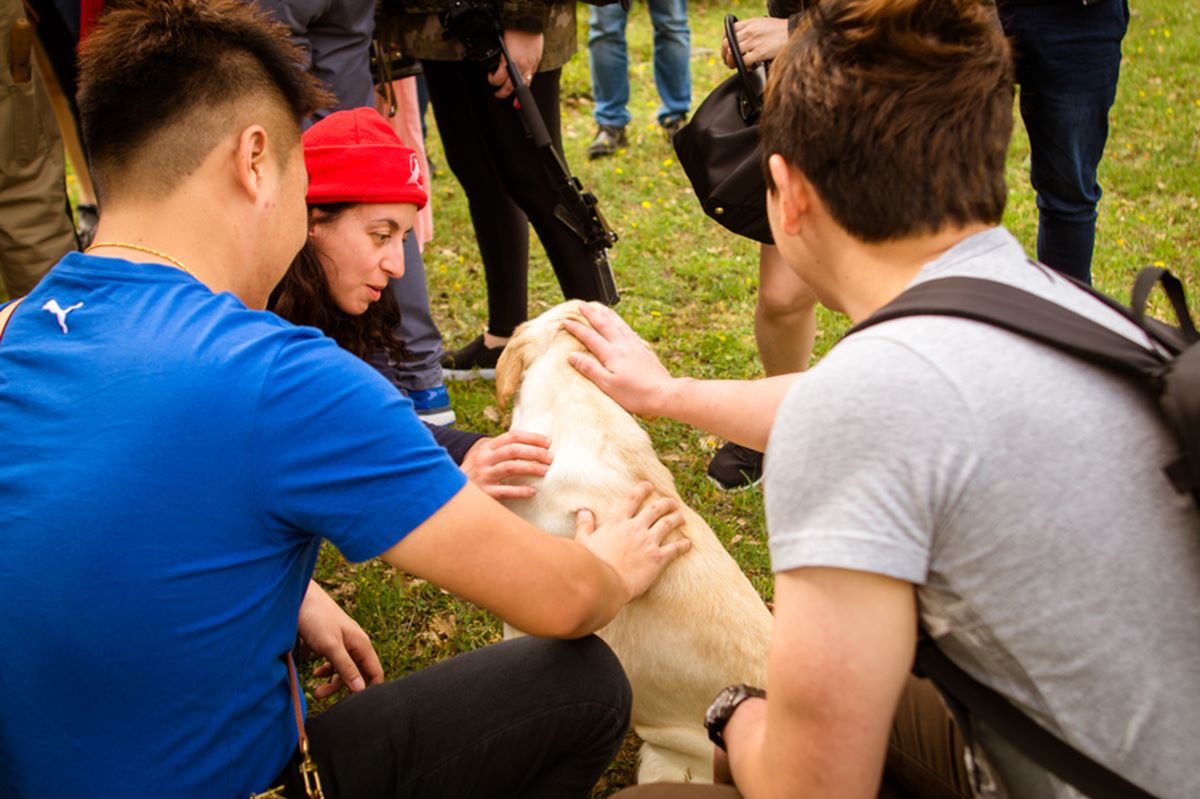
x: 1141, y: 92
x: 633, y: 224
x: 622, y: 151
x: 721, y: 337
x: 656, y: 313
x: 461, y: 259
x: 1121, y: 243
x: 1166, y: 33
x: 668, y: 161
x: 620, y: 171
x: 1170, y: 110
x: 645, y: 203
x: 712, y: 62
x: 1160, y: 263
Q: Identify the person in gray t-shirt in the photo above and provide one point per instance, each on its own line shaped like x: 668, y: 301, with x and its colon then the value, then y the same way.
x: 936, y: 471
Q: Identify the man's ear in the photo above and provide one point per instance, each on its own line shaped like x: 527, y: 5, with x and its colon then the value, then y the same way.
x: 252, y: 153
x: 794, y: 193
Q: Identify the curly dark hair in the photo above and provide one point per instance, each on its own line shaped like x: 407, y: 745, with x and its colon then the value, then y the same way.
x: 302, y: 297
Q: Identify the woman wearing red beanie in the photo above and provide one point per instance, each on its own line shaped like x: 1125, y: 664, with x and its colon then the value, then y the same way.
x: 364, y: 190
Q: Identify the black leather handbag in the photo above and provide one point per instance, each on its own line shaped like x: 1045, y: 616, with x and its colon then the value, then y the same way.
x: 718, y: 149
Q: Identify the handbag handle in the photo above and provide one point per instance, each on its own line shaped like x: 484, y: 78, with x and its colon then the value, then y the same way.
x: 753, y: 79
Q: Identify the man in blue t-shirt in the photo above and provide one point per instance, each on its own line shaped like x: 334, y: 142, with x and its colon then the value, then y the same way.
x: 174, y: 456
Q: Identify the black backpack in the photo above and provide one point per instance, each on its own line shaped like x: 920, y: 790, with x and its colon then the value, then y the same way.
x: 1170, y: 374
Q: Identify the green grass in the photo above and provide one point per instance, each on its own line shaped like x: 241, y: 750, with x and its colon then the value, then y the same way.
x: 689, y: 288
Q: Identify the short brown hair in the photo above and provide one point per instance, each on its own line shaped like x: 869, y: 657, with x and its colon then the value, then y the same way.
x: 162, y: 81
x: 899, y: 112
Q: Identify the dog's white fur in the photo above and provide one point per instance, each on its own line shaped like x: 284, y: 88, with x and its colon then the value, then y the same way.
x: 702, y: 625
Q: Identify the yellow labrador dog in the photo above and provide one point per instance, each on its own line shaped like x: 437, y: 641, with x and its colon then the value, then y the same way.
x: 702, y: 625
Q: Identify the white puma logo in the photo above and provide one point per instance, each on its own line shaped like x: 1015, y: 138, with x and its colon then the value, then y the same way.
x: 414, y: 170
x: 61, y: 313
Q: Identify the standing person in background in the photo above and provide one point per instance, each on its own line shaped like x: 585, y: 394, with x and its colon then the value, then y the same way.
x: 1068, y: 61
x: 609, y: 54
x: 35, y: 217
x: 785, y: 312
x: 336, y: 39
x: 497, y: 164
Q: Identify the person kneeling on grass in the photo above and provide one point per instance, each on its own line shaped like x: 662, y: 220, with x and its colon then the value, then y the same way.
x: 364, y: 190
x: 934, y: 472
x: 175, y: 455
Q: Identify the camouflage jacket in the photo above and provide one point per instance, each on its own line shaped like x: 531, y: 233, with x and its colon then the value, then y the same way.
x: 413, y: 26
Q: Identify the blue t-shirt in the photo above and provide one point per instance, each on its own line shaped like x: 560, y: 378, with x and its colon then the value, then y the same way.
x: 171, y: 461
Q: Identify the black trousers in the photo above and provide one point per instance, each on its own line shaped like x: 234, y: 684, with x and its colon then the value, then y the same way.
x: 527, y: 718
x: 507, y: 186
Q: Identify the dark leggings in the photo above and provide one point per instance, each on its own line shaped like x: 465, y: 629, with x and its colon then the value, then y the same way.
x: 506, y: 185
x: 528, y: 718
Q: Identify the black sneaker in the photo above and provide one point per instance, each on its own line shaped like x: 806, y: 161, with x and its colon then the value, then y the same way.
x: 476, y: 360
x: 735, y: 467
x: 609, y: 139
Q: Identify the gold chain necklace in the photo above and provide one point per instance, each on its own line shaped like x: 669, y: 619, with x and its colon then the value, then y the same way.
x: 140, y: 248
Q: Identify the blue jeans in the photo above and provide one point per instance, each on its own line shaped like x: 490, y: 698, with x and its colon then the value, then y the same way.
x: 1068, y: 59
x: 610, y: 60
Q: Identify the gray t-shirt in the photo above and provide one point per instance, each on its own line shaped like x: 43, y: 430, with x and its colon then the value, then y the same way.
x: 1022, y: 492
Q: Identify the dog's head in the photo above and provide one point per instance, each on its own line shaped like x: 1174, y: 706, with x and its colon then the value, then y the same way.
x: 531, y: 341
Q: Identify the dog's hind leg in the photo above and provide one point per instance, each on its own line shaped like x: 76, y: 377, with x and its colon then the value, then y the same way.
x: 674, y: 754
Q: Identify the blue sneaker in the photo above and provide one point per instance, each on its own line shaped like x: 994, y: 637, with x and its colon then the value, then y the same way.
x: 433, y: 405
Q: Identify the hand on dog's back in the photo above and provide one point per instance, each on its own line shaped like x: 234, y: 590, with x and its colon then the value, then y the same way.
x: 632, y: 542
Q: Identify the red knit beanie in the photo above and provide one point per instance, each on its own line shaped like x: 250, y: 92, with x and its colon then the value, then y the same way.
x: 355, y: 157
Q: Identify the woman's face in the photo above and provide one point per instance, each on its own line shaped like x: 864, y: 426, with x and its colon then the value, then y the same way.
x: 360, y: 249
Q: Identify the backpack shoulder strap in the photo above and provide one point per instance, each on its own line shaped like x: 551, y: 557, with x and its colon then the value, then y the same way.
x: 1026, y: 314
x: 1021, y: 732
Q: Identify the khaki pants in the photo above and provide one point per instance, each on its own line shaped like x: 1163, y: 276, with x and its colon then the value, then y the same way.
x: 36, y: 229
x: 924, y: 759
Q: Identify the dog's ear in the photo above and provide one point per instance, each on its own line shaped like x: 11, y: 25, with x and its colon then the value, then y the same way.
x: 510, y: 369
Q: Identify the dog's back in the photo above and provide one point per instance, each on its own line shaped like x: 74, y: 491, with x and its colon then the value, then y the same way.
x: 701, y: 626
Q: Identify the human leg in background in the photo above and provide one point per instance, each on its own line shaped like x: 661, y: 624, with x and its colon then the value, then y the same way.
x: 785, y: 327
x: 421, y: 376
x: 609, y: 57
x: 337, y: 39
x: 87, y: 211
x: 501, y: 228
x: 35, y: 219
x: 506, y: 186
x: 527, y: 717
x: 672, y: 51
x: 1068, y: 60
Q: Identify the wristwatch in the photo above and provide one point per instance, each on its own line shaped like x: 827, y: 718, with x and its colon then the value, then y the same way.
x: 721, y: 710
